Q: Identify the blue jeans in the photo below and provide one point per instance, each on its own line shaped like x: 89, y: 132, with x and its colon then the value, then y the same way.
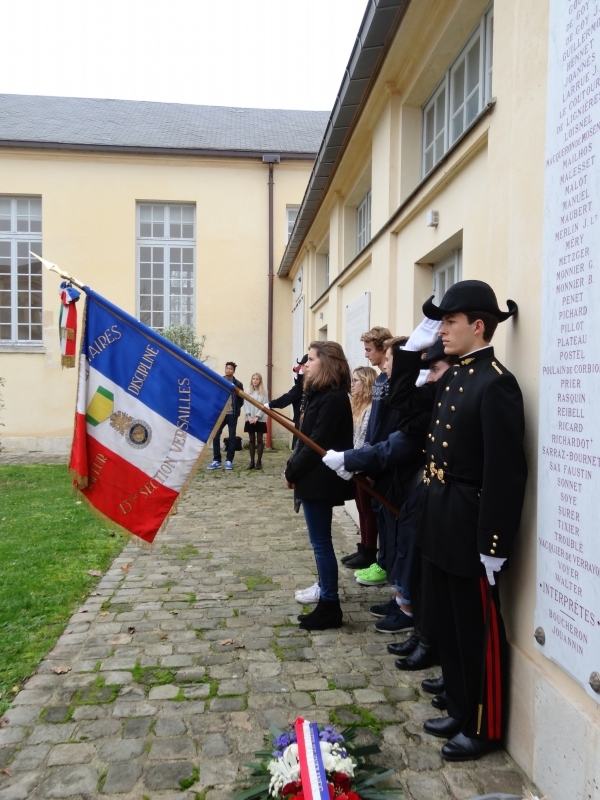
x: 318, y: 515
x: 231, y: 421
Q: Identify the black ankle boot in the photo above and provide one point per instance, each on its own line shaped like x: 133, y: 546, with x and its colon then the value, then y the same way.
x: 407, y: 647
x: 327, y: 614
x: 258, y: 465
x: 251, y: 465
x: 358, y: 550
x: 425, y: 655
x: 363, y: 559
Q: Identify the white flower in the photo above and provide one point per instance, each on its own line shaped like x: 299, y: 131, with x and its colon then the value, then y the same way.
x: 284, y: 769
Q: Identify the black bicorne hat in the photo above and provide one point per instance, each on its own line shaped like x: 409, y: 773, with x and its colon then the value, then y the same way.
x: 468, y: 296
x: 435, y: 353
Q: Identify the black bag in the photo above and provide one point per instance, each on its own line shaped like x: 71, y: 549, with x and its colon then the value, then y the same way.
x: 238, y: 443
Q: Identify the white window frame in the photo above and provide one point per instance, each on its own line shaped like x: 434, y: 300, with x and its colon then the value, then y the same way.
x: 167, y: 243
x: 363, y: 223
x: 33, y: 241
x: 290, y: 219
x: 442, y: 87
x: 440, y: 274
x: 326, y: 270
x: 484, y: 30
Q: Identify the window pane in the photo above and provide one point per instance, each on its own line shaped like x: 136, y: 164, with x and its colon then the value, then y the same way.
x: 175, y: 232
x: 36, y: 333
x: 188, y: 214
x: 473, y: 67
x: 145, y: 229
x: 440, y: 111
x: 187, y: 231
x: 5, y: 204
x: 429, y: 125
x: 457, y: 127
x: 158, y: 230
x: 145, y: 213
x: 472, y: 108
x: 175, y: 213
x: 458, y: 87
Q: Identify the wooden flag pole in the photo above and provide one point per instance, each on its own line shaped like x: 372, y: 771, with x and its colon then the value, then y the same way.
x: 358, y: 479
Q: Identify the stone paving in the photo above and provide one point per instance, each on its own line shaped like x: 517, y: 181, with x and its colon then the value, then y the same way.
x: 184, y: 655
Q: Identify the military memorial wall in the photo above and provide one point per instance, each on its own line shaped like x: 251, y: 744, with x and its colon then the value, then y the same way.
x: 567, y: 619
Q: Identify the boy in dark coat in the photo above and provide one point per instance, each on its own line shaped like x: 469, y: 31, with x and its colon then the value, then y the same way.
x: 474, y: 489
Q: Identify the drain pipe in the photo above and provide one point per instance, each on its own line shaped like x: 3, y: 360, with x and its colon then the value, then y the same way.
x: 270, y: 160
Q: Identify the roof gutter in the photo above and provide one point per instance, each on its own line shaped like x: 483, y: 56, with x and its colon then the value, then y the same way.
x: 378, y: 29
x: 166, y: 151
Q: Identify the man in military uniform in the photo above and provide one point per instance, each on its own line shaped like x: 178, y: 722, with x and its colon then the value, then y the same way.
x: 475, y: 482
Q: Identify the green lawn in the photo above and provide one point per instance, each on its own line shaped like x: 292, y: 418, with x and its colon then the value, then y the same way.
x: 48, y: 541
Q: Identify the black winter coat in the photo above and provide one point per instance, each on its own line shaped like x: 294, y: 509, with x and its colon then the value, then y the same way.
x: 327, y: 420
x: 475, y: 469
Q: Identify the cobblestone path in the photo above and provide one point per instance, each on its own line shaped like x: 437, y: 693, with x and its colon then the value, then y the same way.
x: 185, y: 654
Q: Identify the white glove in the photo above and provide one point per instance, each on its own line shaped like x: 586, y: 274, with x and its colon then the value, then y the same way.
x: 343, y: 473
x: 424, y: 335
x: 266, y: 405
x: 422, y: 379
x: 491, y: 564
x: 334, y: 460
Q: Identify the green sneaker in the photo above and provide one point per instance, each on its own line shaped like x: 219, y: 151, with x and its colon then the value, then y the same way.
x: 372, y: 576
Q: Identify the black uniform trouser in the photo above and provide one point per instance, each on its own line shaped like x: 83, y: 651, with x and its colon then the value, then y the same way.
x: 460, y: 609
x: 424, y: 602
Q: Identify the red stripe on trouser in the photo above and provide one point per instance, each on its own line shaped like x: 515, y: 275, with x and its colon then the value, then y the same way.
x: 124, y: 493
x: 497, y: 676
x: 493, y: 688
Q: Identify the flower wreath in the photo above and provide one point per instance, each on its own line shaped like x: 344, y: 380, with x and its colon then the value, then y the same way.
x: 281, y: 772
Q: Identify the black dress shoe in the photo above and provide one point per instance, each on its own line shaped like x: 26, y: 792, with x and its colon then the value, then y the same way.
x: 327, y: 614
x: 406, y: 647
x: 433, y: 685
x: 444, y: 727
x: 440, y: 702
x: 463, y: 748
x: 424, y: 656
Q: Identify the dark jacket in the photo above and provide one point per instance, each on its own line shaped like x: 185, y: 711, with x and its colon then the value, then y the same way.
x: 476, y: 436
x: 292, y: 398
x: 400, y: 452
x: 238, y: 402
x: 327, y: 420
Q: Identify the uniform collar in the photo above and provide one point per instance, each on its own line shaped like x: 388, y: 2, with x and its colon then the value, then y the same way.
x: 475, y: 356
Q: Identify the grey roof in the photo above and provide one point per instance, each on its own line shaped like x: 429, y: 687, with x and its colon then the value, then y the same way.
x: 86, y: 123
x: 377, y: 30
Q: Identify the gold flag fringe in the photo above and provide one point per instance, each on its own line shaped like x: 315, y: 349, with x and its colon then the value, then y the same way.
x: 67, y: 361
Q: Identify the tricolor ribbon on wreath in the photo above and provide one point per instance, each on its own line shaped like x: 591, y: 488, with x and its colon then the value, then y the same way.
x: 67, y: 323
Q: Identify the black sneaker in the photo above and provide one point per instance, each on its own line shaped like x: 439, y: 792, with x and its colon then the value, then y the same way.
x: 343, y: 559
x: 395, y: 623
x: 385, y: 609
x: 364, y: 559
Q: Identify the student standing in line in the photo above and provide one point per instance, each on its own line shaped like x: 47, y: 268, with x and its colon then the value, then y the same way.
x: 361, y: 401
x: 234, y: 407
x: 473, y: 496
x: 256, y: 425
x: 382, y: 422
x: 327, y: 419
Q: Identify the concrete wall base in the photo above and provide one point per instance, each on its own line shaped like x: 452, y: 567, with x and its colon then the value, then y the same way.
x: 553, y: 737
x: 21, y: 445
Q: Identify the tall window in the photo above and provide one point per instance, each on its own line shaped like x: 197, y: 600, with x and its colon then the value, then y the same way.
x: 461, y: 95
x: 20, y: 273
x: 291, y: 215
x: 446, y: 273
x: 363, y: 223
x: 166, y: 255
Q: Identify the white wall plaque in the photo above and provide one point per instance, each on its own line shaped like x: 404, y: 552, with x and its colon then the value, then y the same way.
x: 568, y: 554
x: 357, y: 322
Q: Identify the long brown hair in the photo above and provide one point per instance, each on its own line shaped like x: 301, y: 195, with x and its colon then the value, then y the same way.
x: 361, y: 401
x: 334, y: 372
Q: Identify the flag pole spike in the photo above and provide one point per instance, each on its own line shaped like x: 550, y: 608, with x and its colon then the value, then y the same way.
x: 54, y: 268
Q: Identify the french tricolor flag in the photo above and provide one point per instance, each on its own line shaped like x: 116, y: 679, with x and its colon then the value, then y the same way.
x: 145, y: 410
x: 312, y: 771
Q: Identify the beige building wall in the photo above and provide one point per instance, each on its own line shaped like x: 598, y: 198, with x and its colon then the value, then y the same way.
x: 489, y: 192
x: 89, y: 230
